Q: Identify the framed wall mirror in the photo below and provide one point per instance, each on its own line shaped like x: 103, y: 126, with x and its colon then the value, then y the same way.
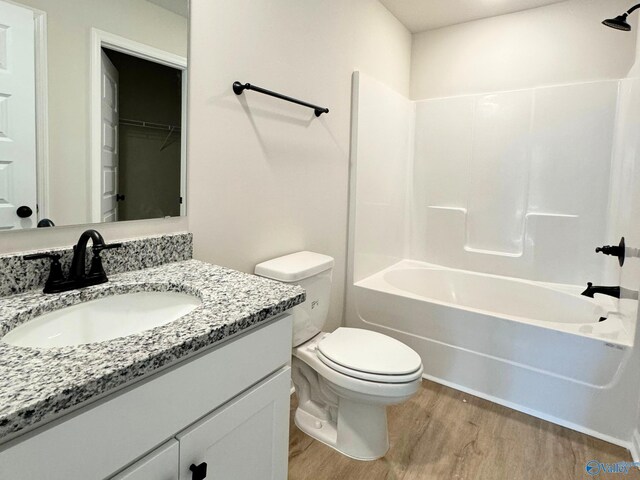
x: 93, y: 108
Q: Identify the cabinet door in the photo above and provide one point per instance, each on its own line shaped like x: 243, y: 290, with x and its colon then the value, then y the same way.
x: 247, y: 439
x: 161, y: 464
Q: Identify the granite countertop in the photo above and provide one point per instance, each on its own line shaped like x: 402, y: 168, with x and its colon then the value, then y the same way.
x: 37, y: 385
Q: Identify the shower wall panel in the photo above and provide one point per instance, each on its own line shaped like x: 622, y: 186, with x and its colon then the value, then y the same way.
x: 515, y: 183
x: 498, y: 177
x: 383, y: 126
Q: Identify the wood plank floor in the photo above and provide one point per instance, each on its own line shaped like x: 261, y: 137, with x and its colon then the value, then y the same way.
x: 442, y: 433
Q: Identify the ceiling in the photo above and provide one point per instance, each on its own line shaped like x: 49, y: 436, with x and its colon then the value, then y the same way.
x: 181, y: 7
x: 421, y: 15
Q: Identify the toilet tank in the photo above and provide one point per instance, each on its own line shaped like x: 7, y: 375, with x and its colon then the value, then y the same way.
x: 312, y: 271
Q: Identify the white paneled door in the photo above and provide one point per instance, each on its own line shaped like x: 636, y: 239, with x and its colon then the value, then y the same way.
x: 17, y: 118
x: 109, y: 142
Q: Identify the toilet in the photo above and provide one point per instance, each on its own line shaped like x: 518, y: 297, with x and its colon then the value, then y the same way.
x: 345, y: 379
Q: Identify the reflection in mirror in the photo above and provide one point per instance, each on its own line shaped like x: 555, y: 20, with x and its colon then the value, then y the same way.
x: 143, y: 111
x: 92, y: 111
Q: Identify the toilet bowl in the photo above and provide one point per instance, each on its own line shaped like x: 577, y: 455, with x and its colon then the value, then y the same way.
x: 343, y: 407
x: 345, y: 379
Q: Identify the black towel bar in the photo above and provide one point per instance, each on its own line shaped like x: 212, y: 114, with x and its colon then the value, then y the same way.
x: 238, y: 88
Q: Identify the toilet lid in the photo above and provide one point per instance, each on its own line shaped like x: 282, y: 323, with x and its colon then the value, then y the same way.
x: 369, y: 352
x: 370, y: 377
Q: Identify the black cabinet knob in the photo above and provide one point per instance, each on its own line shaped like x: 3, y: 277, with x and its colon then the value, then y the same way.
x: 120, y: 197
x: 24, y: 212
x: 199, y: 471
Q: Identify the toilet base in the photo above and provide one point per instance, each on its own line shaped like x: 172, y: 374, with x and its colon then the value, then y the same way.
x: 360, y: 431
x: 346, y: 413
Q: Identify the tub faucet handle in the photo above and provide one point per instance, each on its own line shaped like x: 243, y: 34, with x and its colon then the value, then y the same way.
x: 614, y: 251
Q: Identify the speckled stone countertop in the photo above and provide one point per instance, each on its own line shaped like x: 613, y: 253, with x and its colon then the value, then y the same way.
x: 38, y: 384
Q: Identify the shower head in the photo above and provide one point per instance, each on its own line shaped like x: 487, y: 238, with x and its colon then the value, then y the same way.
x: 620, y: 22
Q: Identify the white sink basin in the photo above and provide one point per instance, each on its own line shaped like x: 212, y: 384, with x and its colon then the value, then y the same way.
x: 102, y: 319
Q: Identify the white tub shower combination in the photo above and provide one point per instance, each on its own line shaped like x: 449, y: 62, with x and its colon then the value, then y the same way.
x: 480, y: 270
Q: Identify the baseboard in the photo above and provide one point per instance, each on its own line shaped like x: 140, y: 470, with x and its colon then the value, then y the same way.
x: 634, y: 444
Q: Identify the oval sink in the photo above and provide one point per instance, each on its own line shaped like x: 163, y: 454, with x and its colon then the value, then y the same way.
x: 102, y: 319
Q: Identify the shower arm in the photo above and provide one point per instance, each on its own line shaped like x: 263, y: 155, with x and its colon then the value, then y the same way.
x: 633, y: 9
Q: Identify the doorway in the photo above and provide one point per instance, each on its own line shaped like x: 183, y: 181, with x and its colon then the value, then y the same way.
x: 138, y: 131
x: 149, y: 141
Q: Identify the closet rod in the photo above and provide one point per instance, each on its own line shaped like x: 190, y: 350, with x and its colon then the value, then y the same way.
x: 143, y: 124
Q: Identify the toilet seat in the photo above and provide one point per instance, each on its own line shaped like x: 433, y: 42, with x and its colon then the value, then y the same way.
x: 308, y: 353
x: 370, y: 377
x: 369, y: 355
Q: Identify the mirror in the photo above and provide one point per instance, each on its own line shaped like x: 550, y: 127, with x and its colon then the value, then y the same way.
x: 92, y: 111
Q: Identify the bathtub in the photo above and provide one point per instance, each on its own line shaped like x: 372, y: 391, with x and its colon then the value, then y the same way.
x: 511, y: 341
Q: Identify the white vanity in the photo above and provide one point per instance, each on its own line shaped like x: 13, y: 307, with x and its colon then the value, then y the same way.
x: 209, y: 388
x: 234, y: 419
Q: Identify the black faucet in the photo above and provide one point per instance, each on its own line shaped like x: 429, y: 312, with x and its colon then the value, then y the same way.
x: 78, y: 277
x: 611, y: 291
x: 96, y: 273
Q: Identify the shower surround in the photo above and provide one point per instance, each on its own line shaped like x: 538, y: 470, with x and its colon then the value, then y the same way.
x: 503, y: 194
x: 509, y: 183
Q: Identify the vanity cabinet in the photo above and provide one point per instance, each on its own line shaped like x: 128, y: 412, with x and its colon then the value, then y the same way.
x: 246, y: 439
x: 161, y: 464
x: 227, y: 406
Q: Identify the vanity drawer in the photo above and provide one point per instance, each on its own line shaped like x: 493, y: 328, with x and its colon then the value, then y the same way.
x: 101, y: 438
x: 161, y: 464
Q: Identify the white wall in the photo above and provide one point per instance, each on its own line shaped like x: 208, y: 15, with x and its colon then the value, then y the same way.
x: 556, y: 44
x: 266, y: 177
x: 69, y: 24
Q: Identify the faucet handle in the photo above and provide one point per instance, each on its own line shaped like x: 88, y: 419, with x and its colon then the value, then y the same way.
x: 615, y: 251
x: 56, y: 277
x: 96, y: 271
x: 37, y: 256
x: 98, y: 248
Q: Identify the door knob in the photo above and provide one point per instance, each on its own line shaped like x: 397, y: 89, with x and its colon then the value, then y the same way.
x: 24, y: 212
x: 119, y: 197
x: 199, y: 471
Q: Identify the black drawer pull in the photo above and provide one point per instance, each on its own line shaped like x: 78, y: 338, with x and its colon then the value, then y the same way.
x: 199, y: 471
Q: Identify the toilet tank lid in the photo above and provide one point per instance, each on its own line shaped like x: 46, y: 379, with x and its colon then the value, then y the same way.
x: 294, y: 267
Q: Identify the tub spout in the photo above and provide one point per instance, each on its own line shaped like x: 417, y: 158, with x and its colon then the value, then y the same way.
x: 591, y: 291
